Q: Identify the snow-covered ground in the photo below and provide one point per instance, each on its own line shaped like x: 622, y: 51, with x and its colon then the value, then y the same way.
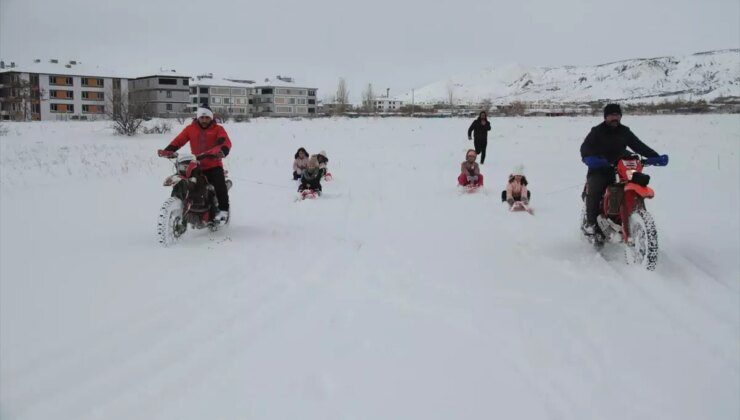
x: 391, y: 297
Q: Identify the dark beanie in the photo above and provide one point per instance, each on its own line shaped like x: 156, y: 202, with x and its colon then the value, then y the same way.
x: 612, y: 109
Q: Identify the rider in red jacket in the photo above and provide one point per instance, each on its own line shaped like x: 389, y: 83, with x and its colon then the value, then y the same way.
x: 209, y: 138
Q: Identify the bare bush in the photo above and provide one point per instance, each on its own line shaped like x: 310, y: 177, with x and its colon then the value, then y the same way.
x: 162, y: 127
x: 127, y: 116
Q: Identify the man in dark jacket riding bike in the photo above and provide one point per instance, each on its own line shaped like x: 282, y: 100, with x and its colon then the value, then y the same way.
x: 602, y: 148
x: 209, y: 140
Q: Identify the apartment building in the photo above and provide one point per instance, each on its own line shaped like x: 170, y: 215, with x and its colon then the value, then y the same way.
x: 164, y: 93
x: 384, y: 104
x: 224, y: 96
x: 46, y: 90
x: 283, y: 97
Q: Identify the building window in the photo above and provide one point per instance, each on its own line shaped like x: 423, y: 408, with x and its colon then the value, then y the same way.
x: 227, y: 101
x: 92, y: 82
x: 93, y: 109
x: 167, y: 81
x: 204, y: 91
x: 311, y: 110
x: 312, y: 101
x: 193, y: 90
x: 238, y: 92
x: 220, y: 91
x: 267, y: 91
x: 168, y: 107
x: 279, y: 100
x: 92, y: 96
x: 291, y: 101
x: 284, y: 109
x: 61, y: 94
x: 302, y: 101
x: 312, y: 92
x: 215, y: 100
x: 301, y: 110
x: 63, y: 108
x: 195, y: 100
x: 169, y: 94
x: 185, y: 82
x: 60, y: 81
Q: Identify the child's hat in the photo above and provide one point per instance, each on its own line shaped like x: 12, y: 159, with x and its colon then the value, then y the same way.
x: 518, y: 170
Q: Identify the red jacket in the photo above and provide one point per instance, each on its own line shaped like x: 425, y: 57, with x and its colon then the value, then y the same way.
x: 209, y: 140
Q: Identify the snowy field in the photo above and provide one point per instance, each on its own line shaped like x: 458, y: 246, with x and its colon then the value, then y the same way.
x: 393, y: 296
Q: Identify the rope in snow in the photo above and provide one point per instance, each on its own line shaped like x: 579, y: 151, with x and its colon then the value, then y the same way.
x: 255, y: 181
x: 564, y: 189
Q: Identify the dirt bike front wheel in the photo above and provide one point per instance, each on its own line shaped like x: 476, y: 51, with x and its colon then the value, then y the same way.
x: 642, y: 247
x: 170, y: 224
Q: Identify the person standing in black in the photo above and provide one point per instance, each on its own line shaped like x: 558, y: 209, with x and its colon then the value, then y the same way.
x: 602, y: 148
x: 480, y: 128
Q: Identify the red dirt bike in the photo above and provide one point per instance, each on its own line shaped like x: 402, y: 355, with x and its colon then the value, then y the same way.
x: 623, y: 217
x: 192, y: 202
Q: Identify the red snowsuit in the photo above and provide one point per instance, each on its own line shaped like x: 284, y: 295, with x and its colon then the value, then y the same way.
x: 210, y: 140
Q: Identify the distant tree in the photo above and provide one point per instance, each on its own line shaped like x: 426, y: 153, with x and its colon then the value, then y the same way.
x: 223, y: 114
x: 486, y: 105
x: 451, y: 94
x: 18, y: 96
x: 342, y: 97
x: 368, y: 98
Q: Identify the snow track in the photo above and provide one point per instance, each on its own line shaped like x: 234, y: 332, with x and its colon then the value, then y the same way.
x: 391, y: 296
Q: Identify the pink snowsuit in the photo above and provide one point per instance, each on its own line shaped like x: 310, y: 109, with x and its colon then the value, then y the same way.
x: 469, y: 171
x: 515, y: 189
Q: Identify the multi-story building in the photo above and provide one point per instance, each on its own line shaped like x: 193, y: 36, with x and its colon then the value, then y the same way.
x: 224, y: 96
x: 385, y: 104
x: 282, y: 97
x: 54, y: 90
x: 165, y: 93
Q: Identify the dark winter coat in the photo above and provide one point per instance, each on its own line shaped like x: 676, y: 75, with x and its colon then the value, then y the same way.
x: 611, y: 143
x: 311, y: 179
x: 210, y: 140
x: 479, y: 129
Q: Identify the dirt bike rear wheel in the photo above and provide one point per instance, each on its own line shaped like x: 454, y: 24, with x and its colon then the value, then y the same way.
x: 170, y: 225
x: 643, y: 247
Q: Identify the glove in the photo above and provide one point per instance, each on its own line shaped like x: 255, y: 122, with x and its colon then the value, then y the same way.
x: 595, y: 162
x: 661, y: 160
x: 165, y: 153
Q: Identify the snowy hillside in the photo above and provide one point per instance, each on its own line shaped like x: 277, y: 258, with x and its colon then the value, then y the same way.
x: 393, y: 296
x: 708, y: 76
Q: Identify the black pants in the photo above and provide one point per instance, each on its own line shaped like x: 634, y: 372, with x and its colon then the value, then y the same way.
x: 596, y: 183
x: 503, y: 196
x: 480, y: 148
x: 216, y: 178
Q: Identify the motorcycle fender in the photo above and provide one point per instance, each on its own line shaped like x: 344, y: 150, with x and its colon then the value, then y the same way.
x: 645, y: 192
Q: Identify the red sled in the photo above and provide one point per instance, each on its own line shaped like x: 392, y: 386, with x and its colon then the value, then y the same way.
x: 519, y: 206
x: 309, y: 194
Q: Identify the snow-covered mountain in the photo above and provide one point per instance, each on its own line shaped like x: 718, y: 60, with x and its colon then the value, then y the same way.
x: 706, y: 75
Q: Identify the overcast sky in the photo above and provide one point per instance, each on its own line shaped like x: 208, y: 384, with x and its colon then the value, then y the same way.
x: 393, y: 44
